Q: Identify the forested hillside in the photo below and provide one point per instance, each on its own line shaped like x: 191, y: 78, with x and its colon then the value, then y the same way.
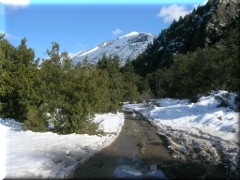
x: 196, y: 54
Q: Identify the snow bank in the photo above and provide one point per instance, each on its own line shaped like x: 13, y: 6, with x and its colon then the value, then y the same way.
x: 3, y: 151
x: 106, y: 122
x: 204, y: 115
x: 207, y: 130
x: 27, y: 154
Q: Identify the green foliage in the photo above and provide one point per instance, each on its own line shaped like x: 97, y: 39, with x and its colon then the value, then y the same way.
x: 130, y: 82
x: 35, y: 121
x: 199, y: 72
x: 122, y: 81
x: 17, y: 73
x: 59, y: 92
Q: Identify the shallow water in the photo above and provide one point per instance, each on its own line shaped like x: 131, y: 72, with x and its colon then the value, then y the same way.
x: 138, y: 171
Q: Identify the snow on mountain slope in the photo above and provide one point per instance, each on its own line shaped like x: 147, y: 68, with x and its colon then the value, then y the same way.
x: 127, y: 46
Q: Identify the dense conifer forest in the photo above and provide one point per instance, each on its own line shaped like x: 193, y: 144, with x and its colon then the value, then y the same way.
x: 196, y: 73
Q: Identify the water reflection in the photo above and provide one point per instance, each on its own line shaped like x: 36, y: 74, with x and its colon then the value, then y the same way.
x: 139, y: 171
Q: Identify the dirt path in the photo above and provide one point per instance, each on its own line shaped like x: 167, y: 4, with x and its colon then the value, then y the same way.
x: 138, y: 152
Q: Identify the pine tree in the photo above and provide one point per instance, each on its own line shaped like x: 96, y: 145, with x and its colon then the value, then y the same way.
x: 17, y: 65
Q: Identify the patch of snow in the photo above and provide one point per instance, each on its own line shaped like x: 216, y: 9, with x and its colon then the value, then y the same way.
x: 105, y: 122
x: 3, y: 130
x: 205, y: 114
x: 134, y: 33
x: 27, y: 154
x: 160, y: 48
x: 90, y: 51
x: 203, y: 130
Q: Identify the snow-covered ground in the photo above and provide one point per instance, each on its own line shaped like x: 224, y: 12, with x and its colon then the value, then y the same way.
x: 27, y: 154
x: 201, y: 131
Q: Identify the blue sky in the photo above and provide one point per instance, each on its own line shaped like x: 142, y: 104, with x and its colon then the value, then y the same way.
x: 79, y: 25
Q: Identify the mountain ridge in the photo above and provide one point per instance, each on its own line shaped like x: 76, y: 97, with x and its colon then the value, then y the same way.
x: 127, y: 46
x: 201, y: 28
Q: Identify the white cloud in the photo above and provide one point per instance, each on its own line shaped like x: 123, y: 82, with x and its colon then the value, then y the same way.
x: 16, y: 2
x: 117, y: 32
x: 172, y: 12
x: 11, y: 36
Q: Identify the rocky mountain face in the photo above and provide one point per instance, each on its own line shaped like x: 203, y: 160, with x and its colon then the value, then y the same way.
x: 127, y: 46
x: 224, y: 13
x: 202, y: 28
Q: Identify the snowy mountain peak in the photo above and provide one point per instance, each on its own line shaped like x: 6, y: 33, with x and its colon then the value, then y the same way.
x: 126, y: 46
x: 134, y: 33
